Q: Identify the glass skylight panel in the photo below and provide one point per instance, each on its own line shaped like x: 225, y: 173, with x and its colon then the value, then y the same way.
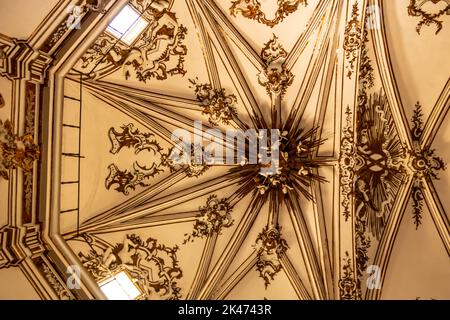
x: 120, y: 287
x: 127, y: 25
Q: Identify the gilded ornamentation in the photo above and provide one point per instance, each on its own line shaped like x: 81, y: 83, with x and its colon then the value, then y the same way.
x: 129, y: 180
x: 347, y: 163
x: 145, y: 61
x: 422, y: 163
x: 213, y: 217
x: 132, y: 138
x: 352, y: 40
x: 73, y: 19
x: 275, y: 77
x: 28, y: 176
x: 150, y: 8
x: 106, y: 50
x: 157, y: 53
x: 347, y: 283
x: 220, y: 107
x: 379, y: 164
x: 417, y: 203
x: 416, y: 9
x: 2, y: 101
x: 362, y: 244
x: 178, y: 159
x: 139, y: 175
x: 270, y: 247
x: 62, y: 292
x: 56, y: 283
x: 251, y: 9
x: 152, y: 266
x: 295, y: 164
x: 15, y: 151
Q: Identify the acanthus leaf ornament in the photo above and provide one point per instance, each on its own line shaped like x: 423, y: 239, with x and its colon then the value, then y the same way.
x: 251, y: 9
x: 415, y: 9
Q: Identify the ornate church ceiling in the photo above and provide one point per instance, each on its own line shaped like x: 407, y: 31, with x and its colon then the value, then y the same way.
x: 358, y: 91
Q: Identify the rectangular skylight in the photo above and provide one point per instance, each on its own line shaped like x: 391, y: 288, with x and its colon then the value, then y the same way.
x: 120, y: 287
x: 127, y: 25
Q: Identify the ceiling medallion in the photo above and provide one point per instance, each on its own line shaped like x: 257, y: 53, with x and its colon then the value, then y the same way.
x: 153, y: 267
x: 251, y: 9
x: 275, y: 77
x: 295, y: 166
x: 415, y: 9
x: 16, y: 151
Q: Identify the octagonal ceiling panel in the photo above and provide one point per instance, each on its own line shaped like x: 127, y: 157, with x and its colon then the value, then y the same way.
x: 195, y: 61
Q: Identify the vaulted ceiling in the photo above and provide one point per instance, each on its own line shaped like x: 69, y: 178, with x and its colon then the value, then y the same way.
x: 356, y: 208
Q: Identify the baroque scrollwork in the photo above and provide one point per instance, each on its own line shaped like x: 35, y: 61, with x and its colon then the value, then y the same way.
x: 54, y: 280
x: 16, y: 151
x: 140, y: 175
x: 275, y: 76
x: 152, y: 266
x: 75, y: 14
x: 220, y: 107
x: 213, y: 217
x: 347, y: 283
x: 352, y: 40
x: 129, y: 180
x: 145, y: 59
x: 416, y: 9
x: 132, y: 138
x: 158, y: 52
x: 347, y: 163
x: 251, y: 9
x: 270, y: 247
x: 379, y: 163
x: 185, y: 158
x: 175, y: 159
x: 423, y: 163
